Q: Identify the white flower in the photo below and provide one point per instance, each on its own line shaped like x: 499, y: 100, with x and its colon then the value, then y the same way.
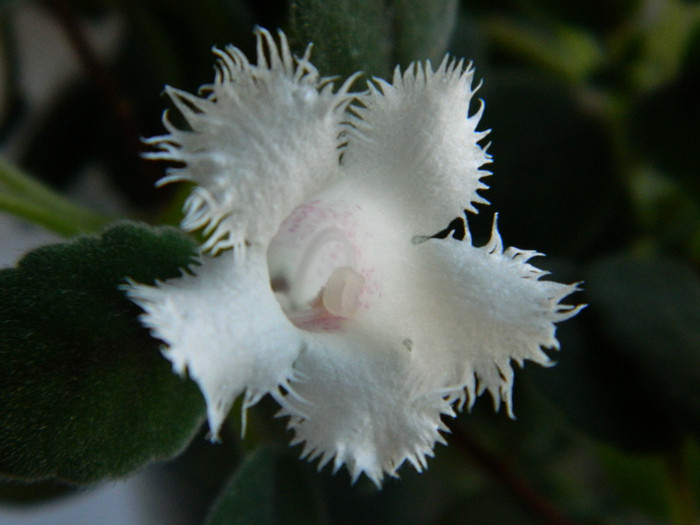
x: 320, y: 283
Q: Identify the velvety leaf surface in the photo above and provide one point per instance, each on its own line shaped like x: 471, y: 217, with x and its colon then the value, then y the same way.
x: 348, y: 35
x: 373, y: 36
x: 422, y: 30
x: 84, y: 391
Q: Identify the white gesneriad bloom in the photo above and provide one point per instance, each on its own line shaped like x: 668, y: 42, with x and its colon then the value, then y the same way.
x: 320, y: 283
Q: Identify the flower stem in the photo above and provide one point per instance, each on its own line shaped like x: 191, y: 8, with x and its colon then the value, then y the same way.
x: 26, y: 197
x: 504, y: 475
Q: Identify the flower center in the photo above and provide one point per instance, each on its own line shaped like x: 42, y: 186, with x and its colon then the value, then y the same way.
x: 314, y: 267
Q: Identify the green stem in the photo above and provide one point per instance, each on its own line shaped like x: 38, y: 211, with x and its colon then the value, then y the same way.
x: 680, y: 490
x: 26, y: 197
x: 12, y: 178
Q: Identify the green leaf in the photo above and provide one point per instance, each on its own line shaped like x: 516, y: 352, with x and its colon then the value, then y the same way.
x: 268, y: 488
x: 373, y: 36
x: 664, y: 40
x: 664, y: 487
x: 422, y: 29
x: 650, y: 311
x: 84, y: 391
x: 639, y: 480
x: 348, y: 35
x: 599, y: 16
x: 565, y: 50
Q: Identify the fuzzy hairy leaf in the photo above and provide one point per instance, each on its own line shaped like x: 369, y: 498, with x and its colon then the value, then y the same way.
x: 84, y: 391
x: 373, y: 36
x: 348, y: 35
x: 422, y: 30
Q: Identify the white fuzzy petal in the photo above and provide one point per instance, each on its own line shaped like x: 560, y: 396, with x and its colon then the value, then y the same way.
x: 394, y: 327
x: 261, y: 139
x: 224, y: 327
x: 415, y: 142
x: 360, y: 406
x: 474, y: 311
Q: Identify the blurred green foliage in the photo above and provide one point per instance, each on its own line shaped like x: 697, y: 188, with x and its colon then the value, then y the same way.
x: 595, y: 119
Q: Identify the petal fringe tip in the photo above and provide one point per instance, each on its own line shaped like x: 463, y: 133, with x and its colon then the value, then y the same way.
x: 261, y: 138
x: 429, y: 157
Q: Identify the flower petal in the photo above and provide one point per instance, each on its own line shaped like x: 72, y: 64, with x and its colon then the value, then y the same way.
x: 358, y: 404
x: 472, y: 311
x: 415, y: 142
x: 224, y: 326
x: 263, y: 138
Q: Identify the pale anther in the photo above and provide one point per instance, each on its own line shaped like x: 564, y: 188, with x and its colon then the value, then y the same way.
x: 341, y: 296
